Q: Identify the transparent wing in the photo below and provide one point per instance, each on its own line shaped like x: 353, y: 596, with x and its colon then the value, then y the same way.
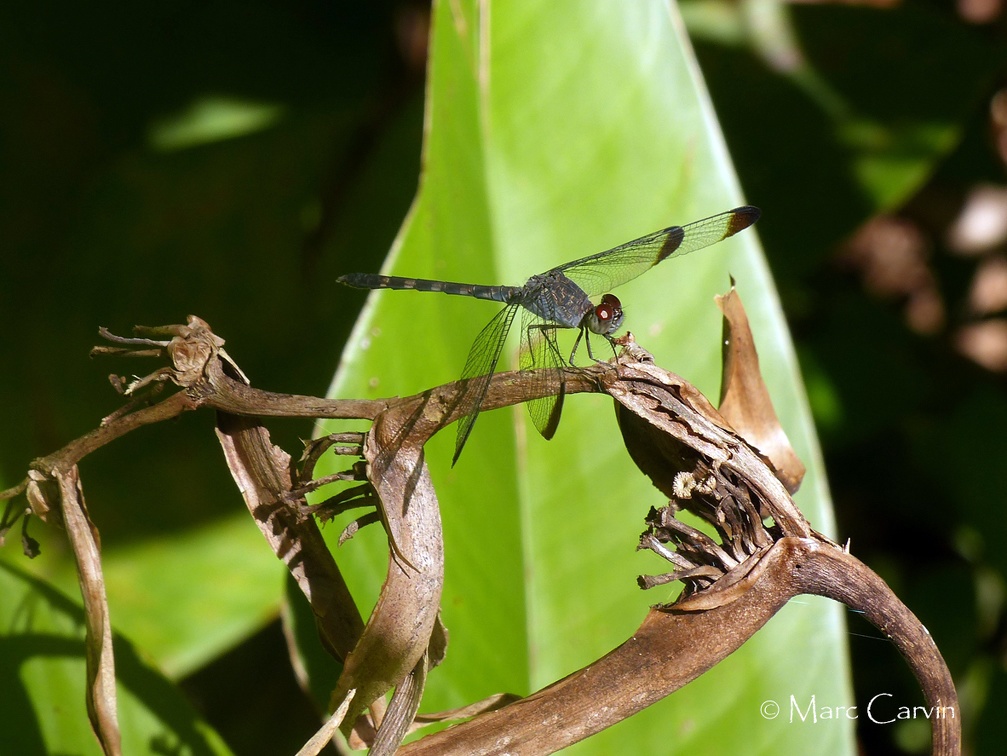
x: 602, y: 272
x: 540, y: 354
x: 479, y: 367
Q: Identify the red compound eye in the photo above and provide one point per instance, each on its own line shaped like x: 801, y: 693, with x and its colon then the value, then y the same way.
x: 609, y: 308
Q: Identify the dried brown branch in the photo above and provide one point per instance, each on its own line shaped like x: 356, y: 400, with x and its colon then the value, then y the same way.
x: 671, y: 648
x: 766, y: 554
x: 403, y: 635
x: 83, y: 536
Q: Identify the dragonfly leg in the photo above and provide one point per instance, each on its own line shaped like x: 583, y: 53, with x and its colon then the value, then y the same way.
x: 587, y: 340
x: 580, y: 335
x: 547, y: 333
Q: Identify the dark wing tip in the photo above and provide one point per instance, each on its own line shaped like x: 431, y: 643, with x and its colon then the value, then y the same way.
x: 743, y: 217
x: 671, y: 243
x: 551, y: 423
x: 464, y: 429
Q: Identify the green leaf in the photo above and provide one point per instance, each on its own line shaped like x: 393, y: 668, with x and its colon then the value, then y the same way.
x: 239, y: 585
x: 555, y: 130
x: 216, y: 584
x: 42, y: 683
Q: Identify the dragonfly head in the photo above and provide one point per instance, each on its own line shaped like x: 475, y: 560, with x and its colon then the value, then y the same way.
x: 606, y: 318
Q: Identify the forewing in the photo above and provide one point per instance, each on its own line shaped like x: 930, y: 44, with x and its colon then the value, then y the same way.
x: 478, y: 372
x: 602, y: 272
x: 540, y: 353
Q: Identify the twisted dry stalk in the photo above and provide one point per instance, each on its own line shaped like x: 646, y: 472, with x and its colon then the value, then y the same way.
x: 767, y: 552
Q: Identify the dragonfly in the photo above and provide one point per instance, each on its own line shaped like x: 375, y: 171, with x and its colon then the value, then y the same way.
x: 560, y: 298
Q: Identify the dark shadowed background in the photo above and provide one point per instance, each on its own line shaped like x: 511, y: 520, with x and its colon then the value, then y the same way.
x: 231, y: 159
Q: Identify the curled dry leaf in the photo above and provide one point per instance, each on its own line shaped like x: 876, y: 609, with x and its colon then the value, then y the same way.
x: 677, y: 438
x: 261, y: 471
x: 744, y: 398
x: 399, y: 631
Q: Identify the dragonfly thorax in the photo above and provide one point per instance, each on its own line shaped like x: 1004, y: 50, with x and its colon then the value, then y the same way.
x: 556, y: 299
x: 606, y: 318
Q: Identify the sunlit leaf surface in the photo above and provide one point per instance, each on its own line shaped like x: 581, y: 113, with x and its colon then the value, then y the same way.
x: 555, y: 131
